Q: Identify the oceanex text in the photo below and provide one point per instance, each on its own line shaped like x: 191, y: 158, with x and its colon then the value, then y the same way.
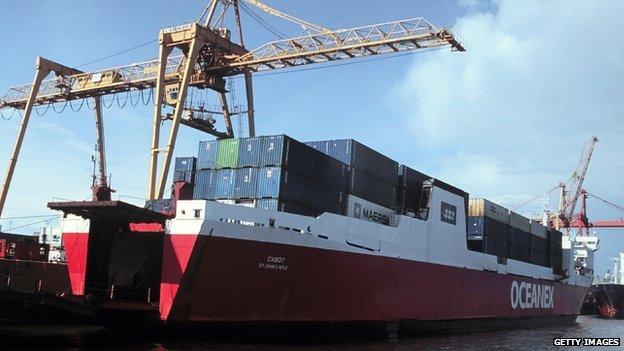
x: 529, y: 295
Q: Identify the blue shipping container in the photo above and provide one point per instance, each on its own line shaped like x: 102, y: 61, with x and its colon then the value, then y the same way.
x: 204, y: 185
x: 272, y: 150
x: 269, y: 181
x: 224, y: 183
x: 246, y: 183
x: 250, y: 152
x: 184, y: 169
x: 207, y: 154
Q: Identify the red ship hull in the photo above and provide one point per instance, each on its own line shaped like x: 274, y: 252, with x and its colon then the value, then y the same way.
x: 213, y: 279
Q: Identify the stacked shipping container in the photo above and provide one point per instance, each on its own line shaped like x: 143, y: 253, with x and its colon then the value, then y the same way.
x: 276, y: 172
x: 495, y: 230
x: 373, y: 176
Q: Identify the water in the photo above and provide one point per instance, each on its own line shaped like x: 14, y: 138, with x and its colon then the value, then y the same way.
x: 529, y: 339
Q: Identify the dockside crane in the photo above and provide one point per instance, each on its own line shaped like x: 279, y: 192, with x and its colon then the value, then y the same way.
x: 570, y: 196
x: 208, y: 57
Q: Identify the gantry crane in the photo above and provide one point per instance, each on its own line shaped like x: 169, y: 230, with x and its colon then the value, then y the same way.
x: 209, y: 56
x: 583, y: 224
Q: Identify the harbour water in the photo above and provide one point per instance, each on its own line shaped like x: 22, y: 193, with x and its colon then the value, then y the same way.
x: 50, y: 338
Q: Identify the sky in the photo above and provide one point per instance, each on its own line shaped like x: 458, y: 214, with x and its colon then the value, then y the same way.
x: 505, y: 120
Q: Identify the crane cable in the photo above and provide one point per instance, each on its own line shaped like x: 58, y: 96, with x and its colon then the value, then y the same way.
x: 549, y: 191
x: 605, y: 201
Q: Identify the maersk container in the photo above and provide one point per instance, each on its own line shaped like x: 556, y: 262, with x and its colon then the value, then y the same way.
x: 246, y: 183
x: 409, y: 189
x: 207, y: 154
x: 184, y: 169
x: 227, y: 154
x: 250, y: 152
x: 368, y: 211
x: 372, y: 189
x: 362, y: 158
x: 225, y: 180
x: 204, y: 184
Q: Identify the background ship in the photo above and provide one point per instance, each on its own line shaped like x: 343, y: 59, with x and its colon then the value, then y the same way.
x: 607, y: 297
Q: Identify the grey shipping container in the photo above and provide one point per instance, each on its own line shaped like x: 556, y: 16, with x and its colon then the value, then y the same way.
x: 204, y: 184
x: 409, y: 189
x: 360, y: 157
x: 372, y: 189
x: 184, y: 169
x: 224, y: 183
x: 207, y: 154
x: 475, y: 228
x: 246, y: 183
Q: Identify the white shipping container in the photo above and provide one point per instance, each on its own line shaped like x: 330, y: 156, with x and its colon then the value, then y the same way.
x: 368, y: 211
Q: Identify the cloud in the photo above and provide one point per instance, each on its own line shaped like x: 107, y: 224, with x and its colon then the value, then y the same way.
x: 509, y: 117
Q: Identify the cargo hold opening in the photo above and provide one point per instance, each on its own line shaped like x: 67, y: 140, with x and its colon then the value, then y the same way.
x: 124, y: 251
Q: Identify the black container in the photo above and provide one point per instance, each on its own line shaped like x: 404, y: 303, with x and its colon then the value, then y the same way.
x: 372, y: 189
x: 282, y: 150
x: 555, y: 238
x: 539, y: 245
x: 475, y: 245
x: 519, y: 253
x: 409, y: 189
x: 298, y: 189
x: 520, y: 238
x: 184, y: 169
x: 540, y: 259
x: 495, y: 247
x: 490, y: 228
x: 304, y: 191
x: 360, y: 157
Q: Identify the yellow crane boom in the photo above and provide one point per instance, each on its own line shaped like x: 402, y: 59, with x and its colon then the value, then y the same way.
x: 208, y: 57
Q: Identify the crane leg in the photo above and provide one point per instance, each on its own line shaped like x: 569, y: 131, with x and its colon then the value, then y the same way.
x: 101, y: 142
x: 43, y: 69
x: 158, y: 101
x: 191, y: 58
x: 250, y: 105
x: 226, y: 115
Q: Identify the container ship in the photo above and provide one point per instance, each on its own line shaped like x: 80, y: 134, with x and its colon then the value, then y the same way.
x: 608, y: 297
x: 270, y: 231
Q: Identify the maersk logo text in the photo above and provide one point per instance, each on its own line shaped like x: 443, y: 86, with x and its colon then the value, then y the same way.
x: 448, y: 213
x: 362, y: 212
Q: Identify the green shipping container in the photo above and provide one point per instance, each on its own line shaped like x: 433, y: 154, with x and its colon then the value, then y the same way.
x: 227, y: 154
